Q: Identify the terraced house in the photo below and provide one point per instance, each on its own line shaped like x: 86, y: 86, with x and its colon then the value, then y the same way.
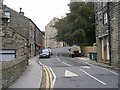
x: 21, y: 39
x: 108, y: 32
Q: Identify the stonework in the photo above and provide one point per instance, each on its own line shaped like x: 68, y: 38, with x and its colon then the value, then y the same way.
x: 108, y: 31
x: 50, y: 35
x: 13, y: 40
x: 21, y: 34
x: 12, y: 70
x: 1, y: 2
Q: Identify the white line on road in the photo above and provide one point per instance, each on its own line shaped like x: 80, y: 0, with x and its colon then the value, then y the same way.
x: 85, y: 67
x: 93, y: 77
x: 58, y: 58
x: 108, y: 70
x: 53, y: 76
x: 63, y: 62
x: 66, y: 64
x: 88, y: 63
x: 41, y: 63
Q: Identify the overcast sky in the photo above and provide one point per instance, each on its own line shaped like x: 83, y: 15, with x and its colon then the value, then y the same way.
x: 40, y: 11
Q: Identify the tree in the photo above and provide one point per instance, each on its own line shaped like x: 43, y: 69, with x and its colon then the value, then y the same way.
x: 78, y: 27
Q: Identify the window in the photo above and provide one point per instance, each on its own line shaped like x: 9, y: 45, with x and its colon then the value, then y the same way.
x: 7, y: 14
x: 105, y: 18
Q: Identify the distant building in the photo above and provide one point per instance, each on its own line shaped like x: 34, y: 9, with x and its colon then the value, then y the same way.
x: 50, y: 35
x: 107, y: 30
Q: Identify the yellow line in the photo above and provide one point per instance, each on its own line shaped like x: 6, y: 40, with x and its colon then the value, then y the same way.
x: 47, y: 77
x: 50, y: 78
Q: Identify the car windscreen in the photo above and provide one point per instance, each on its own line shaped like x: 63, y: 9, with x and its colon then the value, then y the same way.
x: 45, y: 51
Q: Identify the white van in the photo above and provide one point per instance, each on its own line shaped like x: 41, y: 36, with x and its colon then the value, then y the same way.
x: 74, y: 51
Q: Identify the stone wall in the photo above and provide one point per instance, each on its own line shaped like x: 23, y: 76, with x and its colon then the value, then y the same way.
x: 11, y: 70
x: 87, y: 49
x: 119, y: 38
x: 1, y: 2
x: 114, y: 32
x: 13, y: 40
x: 114, y: 8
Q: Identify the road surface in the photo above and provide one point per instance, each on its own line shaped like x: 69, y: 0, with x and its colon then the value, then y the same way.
x: 70, y: 73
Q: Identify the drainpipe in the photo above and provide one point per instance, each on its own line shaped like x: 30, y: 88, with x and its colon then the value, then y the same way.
x: 108, y: 11
x: 35, y: 41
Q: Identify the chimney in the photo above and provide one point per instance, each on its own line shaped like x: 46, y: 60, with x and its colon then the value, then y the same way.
x: 21, y: 13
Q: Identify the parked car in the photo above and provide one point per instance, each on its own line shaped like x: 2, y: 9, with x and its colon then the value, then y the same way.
x: 45, y: 54
x: 74, y: 51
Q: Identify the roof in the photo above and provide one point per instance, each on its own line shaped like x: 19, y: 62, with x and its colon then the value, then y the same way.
x: 54, y: 19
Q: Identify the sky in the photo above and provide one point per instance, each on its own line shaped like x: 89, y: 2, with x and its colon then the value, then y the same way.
x: 41, y: 12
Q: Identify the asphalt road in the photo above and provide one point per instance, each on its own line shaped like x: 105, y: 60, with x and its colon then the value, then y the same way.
x: 70, y: 73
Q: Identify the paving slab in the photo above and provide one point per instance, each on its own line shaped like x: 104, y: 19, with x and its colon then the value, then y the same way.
x: 31, y: 77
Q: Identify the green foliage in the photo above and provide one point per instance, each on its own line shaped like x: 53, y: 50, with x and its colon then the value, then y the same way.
x: 78, y: 27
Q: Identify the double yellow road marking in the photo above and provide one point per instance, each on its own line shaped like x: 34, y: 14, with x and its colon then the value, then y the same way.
x: 48, y: 81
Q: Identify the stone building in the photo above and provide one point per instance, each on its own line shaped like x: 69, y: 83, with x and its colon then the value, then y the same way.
x: 39, y: 38
x: 25, y: 27
x: 50, y: 35
x: 107, y: 30
x: 19, y: 37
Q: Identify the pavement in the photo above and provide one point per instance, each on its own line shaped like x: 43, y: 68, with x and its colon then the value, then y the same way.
x: 31, y: 77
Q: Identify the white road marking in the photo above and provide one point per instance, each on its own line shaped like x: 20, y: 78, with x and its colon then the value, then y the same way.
x: 63, y: 62
x: 93, y: 77
x: 85, y: 67
x: 66, y: 64
x: 70, y: 74
x: 41, y: 73
x: 41, y: 63
x: 108, y: 70
x: 53, y: 83
x: 88, y: 63
x: 57, y: 58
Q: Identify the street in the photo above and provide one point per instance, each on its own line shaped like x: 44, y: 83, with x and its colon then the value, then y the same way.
x: 70, y: 73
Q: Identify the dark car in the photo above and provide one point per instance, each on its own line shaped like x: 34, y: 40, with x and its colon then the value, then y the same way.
x: 45, y: 54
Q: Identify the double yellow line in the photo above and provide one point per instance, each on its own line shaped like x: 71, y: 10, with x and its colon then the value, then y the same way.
x: 48, y: 78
